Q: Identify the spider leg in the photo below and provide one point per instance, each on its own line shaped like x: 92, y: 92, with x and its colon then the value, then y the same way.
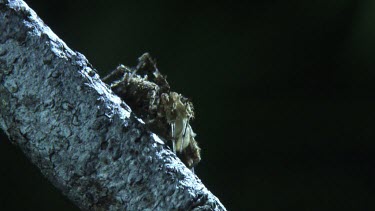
x: 173, y: 137
x: 120, y: 70
x: 186, y: 123
x: 174, y: 146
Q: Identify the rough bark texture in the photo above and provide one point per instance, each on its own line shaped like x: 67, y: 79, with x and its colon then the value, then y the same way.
x: 83, y: 138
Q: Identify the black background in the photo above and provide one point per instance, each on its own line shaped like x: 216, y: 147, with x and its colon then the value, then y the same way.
x: 283, y: 93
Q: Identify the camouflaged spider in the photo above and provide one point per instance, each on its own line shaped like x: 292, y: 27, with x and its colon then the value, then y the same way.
x: 166, y: 113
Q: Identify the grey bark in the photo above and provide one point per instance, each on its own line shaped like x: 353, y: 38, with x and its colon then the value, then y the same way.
x: 81, y: 136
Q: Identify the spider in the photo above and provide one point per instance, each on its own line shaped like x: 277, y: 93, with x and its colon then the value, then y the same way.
x: 165, y: 112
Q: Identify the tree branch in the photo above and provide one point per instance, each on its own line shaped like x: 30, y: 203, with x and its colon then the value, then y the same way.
x: 81, y: 136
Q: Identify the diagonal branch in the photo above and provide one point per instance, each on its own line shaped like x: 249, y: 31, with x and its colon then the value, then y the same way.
x: 80, y: 135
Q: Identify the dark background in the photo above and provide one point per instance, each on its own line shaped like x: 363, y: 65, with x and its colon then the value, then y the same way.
x: 283, y: 93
